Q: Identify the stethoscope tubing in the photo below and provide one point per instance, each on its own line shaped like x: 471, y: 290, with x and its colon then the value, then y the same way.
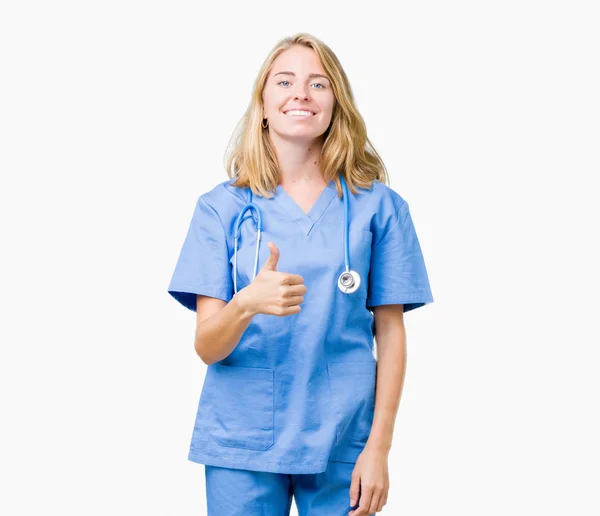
x: 252, y: 206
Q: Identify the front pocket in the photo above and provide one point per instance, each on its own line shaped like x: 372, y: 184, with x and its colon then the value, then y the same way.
x: 353, y: 389
x: 241, y: 406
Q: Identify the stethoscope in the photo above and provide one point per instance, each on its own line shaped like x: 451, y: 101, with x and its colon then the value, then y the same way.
x: 348, y: 281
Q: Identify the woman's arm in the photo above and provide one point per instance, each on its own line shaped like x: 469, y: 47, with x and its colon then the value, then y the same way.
x: 219, y: 326
x: 390, y: 336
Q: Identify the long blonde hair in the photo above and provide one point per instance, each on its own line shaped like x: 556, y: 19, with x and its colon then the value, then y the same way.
x: 346, y: 147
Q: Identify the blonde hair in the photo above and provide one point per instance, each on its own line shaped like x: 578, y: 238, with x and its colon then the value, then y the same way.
x: 346, y: 147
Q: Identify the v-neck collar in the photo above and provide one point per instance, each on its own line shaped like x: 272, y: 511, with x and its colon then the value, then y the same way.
x: 306, y: 221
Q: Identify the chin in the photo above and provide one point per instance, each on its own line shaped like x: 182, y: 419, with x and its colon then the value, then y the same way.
x: 302, y: 132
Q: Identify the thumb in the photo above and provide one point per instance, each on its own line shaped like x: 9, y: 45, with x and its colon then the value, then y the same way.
x: 271, y: 263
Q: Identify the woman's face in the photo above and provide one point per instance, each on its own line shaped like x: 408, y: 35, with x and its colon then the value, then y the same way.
x: 293, y: 85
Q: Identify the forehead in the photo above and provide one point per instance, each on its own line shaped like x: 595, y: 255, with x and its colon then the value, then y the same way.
x: 298, y: 59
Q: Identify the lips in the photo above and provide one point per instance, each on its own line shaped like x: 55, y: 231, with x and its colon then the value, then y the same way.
x: 304, y: 111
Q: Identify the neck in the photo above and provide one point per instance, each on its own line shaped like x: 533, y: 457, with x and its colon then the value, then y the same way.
x: 299, y: 161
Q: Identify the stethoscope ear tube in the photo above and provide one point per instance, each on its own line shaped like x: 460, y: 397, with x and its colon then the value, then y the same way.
x: 348, y: 281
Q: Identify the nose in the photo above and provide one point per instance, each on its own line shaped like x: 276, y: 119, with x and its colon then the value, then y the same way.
x: 301, y: 92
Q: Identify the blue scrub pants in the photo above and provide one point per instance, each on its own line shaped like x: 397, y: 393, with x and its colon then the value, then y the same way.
x: 240, y: 492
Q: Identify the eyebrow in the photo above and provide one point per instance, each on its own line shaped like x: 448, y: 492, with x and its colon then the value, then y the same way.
x: 310, y: 75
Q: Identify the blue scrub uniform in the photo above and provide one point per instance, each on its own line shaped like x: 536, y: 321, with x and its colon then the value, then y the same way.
x: 298, y: 391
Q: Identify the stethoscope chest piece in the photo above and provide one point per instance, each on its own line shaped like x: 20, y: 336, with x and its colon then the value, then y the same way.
x: 349, y: 281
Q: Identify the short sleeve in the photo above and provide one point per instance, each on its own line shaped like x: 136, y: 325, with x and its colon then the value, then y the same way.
x: 203, y: 263
x: 398, y: 274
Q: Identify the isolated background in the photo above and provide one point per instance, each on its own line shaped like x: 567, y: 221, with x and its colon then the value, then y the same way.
x: 114, y: 117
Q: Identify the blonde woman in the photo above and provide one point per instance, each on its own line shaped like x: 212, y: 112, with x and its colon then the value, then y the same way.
x: 293, y: 266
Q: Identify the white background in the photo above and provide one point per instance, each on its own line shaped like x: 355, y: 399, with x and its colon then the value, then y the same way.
x: 115, y: 117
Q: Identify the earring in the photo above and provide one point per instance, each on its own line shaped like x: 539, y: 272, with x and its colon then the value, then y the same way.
x: 262, y: 123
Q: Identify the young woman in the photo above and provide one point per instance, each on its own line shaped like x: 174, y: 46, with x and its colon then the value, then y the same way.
x: 295, y: 404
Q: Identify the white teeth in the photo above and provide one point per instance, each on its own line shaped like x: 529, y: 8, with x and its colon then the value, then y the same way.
x: 298, y: 112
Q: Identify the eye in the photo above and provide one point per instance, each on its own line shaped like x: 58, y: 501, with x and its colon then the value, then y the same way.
x: 283, y: 81
x: 322, y: 86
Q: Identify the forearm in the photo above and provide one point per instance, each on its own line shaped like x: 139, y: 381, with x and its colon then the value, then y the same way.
x: 391, y: 367
x: 218, y: 335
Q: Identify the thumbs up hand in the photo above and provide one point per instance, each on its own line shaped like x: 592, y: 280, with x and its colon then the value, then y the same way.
x: 273, y: 292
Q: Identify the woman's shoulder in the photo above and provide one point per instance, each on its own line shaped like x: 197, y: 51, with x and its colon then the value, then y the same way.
x: 224, y: 200
x: 382, y: 198
x: 223, y: 196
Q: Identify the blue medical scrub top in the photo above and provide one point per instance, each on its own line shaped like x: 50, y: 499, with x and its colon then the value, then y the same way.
x: 298, y: 390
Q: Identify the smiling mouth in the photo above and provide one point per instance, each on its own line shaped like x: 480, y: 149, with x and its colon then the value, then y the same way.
x: 298, y: 112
